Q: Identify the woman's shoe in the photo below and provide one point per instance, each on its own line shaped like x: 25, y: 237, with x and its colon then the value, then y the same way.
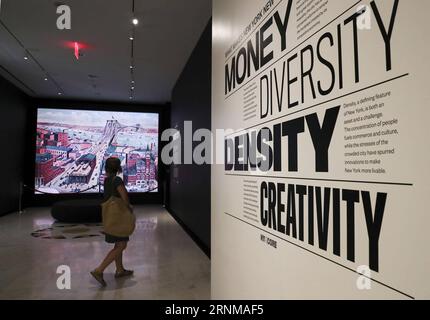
x: 99, y: 277
x: 124, y: 273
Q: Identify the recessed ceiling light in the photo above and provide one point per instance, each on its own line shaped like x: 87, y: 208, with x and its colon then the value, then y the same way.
x: 131, y: 38
x: 132, y: 88
x: 46, y: 79
x: 25, y: 58
x: 131, y: 98
x: 131, y: 67
x: 135, y: 21
x: 132, y: 81
x: 59, y: 93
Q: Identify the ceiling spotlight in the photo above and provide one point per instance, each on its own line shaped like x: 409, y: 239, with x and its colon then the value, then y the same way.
x: 131, y: 97
x: 46, y: 79
x: 59, y: 93
x: 135, y: 21
x: 131, y: 38
x: 25, y: 58
x: 131, y: 67
x: 132, y: 81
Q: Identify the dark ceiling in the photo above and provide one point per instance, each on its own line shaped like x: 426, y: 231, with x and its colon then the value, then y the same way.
x: 166, y: 34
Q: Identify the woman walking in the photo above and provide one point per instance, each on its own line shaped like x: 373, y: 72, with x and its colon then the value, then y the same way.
x: 114, y: 186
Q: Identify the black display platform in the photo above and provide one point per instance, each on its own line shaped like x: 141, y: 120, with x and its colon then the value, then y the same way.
x: 77, y: 211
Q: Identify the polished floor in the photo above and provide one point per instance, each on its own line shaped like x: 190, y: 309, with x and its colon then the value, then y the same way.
x: 166, y: 261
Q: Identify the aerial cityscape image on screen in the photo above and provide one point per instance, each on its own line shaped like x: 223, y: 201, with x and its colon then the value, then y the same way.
x: 73, y: 145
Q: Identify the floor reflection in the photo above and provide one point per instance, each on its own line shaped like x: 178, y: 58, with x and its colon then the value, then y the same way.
x: 166, y: 262
x: 61, y: 231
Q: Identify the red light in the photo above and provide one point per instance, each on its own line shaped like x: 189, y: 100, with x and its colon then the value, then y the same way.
x: 76, y: 46
x: 77, y: 50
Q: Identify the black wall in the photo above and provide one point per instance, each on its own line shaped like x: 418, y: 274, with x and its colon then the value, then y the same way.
x: 189, y: 185
x: 13, y: 115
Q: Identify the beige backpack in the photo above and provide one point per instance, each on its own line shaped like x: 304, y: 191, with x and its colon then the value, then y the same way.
x: 118, y: 220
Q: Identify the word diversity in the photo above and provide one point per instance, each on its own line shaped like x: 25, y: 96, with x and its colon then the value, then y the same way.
x: 322, y: 214
x: 299, y: 70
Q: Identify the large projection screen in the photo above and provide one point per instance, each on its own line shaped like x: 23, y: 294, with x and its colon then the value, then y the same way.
x: 73, y: 145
